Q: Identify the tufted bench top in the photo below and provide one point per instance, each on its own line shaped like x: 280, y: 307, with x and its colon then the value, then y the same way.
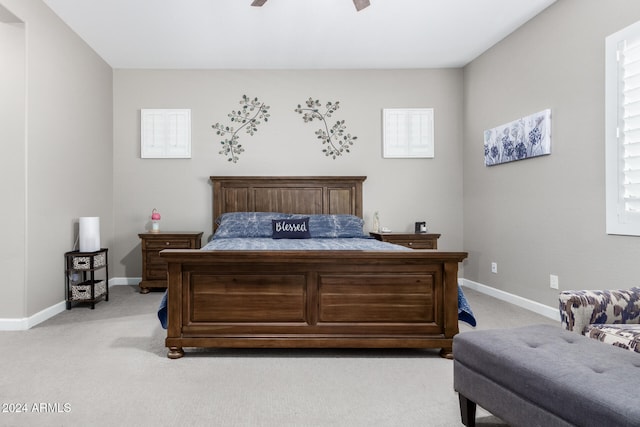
x: 581, y: 380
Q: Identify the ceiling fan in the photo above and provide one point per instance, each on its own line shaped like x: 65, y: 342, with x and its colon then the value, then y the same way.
x: 359, y: 4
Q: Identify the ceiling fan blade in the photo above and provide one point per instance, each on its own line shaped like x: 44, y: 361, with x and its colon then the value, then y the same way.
x: 361, y: 4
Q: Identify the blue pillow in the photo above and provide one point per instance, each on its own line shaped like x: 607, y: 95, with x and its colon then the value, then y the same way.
x: 246, y: 224
x: 329, y: 225
x: 286, y: 228
x: 259, y: 224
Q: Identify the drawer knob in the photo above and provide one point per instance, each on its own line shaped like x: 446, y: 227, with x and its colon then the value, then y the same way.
x: 167, y: 243
x: 410, y: 243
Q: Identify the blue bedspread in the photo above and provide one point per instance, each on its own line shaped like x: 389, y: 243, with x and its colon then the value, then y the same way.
x: 322, y: 244
x: 464, y: 309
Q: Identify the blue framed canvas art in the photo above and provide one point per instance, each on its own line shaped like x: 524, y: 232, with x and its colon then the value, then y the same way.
x: 520, y: 139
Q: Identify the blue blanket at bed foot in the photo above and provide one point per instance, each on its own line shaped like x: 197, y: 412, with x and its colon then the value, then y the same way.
x: 464, y: 309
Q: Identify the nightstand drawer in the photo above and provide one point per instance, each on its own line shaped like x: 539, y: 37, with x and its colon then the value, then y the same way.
x: 416, y: 244
x: 410, y: 240
x: 160, y: 244
x: 154, y: 267
x: 157, y: 273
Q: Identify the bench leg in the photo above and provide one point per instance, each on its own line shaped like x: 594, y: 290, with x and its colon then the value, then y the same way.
x: 467, y: 411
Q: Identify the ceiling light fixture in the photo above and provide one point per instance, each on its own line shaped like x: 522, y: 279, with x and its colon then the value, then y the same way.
x: 359, y: 4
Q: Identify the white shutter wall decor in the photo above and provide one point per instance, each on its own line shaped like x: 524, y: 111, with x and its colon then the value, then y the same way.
x: 165, y: 133
x: 407, y: 132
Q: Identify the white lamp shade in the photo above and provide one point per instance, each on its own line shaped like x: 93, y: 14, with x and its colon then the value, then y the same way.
x: 89, y: 234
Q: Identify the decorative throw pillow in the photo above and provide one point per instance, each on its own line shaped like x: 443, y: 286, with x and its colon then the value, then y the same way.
x: 291, y: 228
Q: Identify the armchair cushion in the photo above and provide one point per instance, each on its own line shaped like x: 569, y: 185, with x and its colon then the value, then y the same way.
x: 579, y: 309
x: 623, y: 336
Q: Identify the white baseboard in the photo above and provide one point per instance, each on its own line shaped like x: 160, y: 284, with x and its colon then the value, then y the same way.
x: 22, y: 324
x: 536, y: 307
x: 13, y: 324
x: 29, y: 322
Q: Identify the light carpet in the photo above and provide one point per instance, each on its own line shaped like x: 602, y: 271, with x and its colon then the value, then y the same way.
x: 108, y: 367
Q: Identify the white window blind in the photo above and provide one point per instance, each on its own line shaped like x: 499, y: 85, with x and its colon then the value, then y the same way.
x: 165, y: 133
x: 629, y: 137
x: 623, y: 131
x: 407, y: 132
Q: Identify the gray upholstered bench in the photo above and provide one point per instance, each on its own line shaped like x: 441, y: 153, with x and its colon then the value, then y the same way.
x: 545, y: 376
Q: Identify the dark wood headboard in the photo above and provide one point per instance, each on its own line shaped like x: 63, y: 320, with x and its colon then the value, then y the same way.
x: 287, y: 194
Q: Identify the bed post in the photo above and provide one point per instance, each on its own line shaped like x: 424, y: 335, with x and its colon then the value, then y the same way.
x: 450, y: 300
x: 174, y: 273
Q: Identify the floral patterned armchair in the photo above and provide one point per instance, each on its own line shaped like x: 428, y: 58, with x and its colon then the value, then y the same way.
x: 610, y: 316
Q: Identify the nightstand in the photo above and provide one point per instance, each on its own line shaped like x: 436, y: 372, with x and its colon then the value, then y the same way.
x: 410, y: 240
x: 81, y: 282
x: 154, y: 268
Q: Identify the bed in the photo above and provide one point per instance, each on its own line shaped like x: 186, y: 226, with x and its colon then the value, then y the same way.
x: 261, y: 297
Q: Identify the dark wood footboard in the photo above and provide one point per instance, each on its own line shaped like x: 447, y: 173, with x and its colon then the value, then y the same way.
x: 312, y: 299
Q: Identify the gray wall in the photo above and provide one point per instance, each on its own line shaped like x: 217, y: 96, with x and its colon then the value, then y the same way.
x: 61, y: 162
x: 402, y: 190
x: 12, y: 184
x: 545, y: 215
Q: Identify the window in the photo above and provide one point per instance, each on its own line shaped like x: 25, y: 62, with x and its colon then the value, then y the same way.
x: 407, y: 132
x: 165, y: 133
x: 622, y: 131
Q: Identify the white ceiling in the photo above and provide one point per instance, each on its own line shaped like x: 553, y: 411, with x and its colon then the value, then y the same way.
x: 293, y: 34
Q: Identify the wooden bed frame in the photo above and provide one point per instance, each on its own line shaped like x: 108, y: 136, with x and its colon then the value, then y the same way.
x: 308, y: 299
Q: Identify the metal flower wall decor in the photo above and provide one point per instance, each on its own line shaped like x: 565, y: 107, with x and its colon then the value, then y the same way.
x: 336, y: 138
x: 252, y: 113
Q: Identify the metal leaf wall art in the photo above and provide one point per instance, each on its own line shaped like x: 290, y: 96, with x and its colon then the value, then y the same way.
x: 252, y: 114
x: 336, y: 138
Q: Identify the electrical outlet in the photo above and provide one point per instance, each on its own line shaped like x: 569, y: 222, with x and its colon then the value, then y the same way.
x: 494, y: 267
x: 553, y: 281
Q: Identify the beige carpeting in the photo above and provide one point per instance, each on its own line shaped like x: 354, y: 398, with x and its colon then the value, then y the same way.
x: 108, y: 367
